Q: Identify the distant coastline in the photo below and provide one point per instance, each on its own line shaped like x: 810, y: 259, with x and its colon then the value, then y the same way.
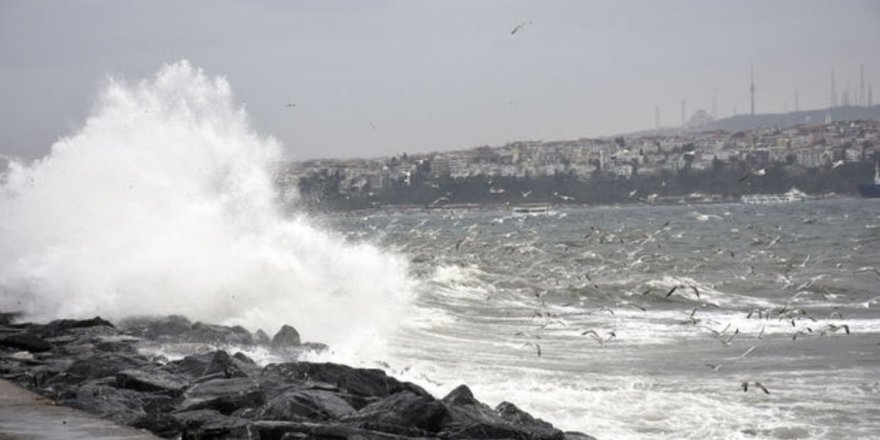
x: 694, y: 166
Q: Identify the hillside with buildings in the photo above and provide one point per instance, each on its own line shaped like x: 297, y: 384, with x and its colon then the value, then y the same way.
x: 715, y: 165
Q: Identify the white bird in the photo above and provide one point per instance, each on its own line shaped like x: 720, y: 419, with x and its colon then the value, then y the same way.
x: 748, y: 351
x: 837, y: 164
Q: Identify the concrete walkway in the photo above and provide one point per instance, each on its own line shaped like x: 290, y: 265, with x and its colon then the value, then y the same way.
x: 27, y: 416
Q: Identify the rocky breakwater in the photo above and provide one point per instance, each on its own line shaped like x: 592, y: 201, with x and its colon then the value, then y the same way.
x: 103, y: 368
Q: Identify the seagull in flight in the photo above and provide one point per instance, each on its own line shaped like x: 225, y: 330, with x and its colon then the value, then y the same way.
x: 745, y: 387
x: 520, y: 26
x: 290, y: 104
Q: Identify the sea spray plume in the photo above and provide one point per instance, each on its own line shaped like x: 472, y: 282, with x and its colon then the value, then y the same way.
x: 163, y: 203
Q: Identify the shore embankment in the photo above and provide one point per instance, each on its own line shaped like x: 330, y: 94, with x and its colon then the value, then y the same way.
x: 100, y: 367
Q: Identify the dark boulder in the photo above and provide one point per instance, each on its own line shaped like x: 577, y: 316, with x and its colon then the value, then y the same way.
x: 102, y: 398
x: 223, y: 395
x: 219, y: 334
x: 536, y: 428
x: 25, y: 341
x: 198, y: 424
x: 193, y: 366
x: 461, y: 395
x: 213, y: 364
x: 280, y: 430
x: 243, y: 358
x: 157, y: 327
x: 372, y: 384
x: 261, y: 338
x: 62, y: 326
x: 229, y: 366
x: 401, y: 412
x: 151, y: 380
x: 286, y: 337
x: 68, y: 330
x: 228, y: 428
x: 574, y: 435
x: 7, y: 318
x: 162, y: 424
x: 313, y: 405
x: 468, y: 418
x: 99, y: 364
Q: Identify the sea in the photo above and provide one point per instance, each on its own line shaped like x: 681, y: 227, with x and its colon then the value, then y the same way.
x: 626, y: 322
x: 644, y: 322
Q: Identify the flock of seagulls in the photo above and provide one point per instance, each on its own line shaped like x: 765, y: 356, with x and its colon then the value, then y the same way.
x: 547, y: 270
x: 583, y: 284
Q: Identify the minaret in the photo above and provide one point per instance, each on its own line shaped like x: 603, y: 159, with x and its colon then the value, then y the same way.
x: 657, y: 116
x: 752, y: 89
x: 862, y: 84
x: 870, y: 96
x: 833, y: 91
x: 797, y: 104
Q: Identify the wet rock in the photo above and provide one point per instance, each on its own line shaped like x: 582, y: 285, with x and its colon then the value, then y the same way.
x: 25, y: 341
x: 468, y: 418
x: 194, y: 365
x: 461, y: 395
x: 218, y: 334
x: 92, y: 366
x: 286, y: 337
x: 261, y: 338
x: 231, y: 428
x: 278, y: 430
x: 204, y: 424
x: 535, y: 428
x: 157, y: 327
x: 305, y: 405
x: 228, y: 366
x: 102, y: 398
x: 241, y: 357
x: 224, y: 395
x: 98, y: 365
x: 214, y: 364
x: 7, y: 318
x: 574, y: 435
x: 72, y: 326
x: 371, y: 383
x: 150, y: 381
x: 401, y: 412
x: 163, y: 425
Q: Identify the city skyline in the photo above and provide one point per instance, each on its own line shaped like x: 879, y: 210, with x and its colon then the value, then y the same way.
x: 374, y: 79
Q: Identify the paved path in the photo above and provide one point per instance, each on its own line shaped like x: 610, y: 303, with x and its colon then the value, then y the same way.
x: 27, y: 416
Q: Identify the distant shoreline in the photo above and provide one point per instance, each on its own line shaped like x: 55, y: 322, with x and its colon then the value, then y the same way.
x: 667, y: 201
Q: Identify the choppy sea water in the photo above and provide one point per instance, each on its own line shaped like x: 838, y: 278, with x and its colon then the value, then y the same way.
x: 572, y: 315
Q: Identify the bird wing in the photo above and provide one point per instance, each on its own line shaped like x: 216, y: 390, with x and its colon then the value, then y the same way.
x: 764, y: 389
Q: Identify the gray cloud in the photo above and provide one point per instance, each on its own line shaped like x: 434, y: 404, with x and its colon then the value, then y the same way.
x: 376, y: 78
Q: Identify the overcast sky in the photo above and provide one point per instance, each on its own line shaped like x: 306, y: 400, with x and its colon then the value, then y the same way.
x: 372, y: 78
